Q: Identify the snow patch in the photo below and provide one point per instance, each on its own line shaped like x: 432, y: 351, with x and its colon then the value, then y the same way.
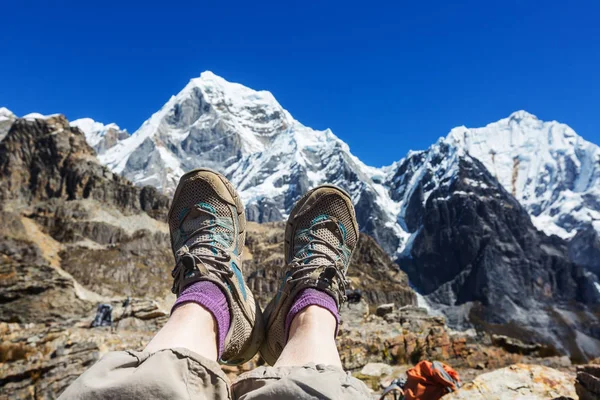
x: 34, y: 116
x: 94, y: 131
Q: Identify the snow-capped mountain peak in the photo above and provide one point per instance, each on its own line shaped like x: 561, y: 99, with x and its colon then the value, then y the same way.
x: 240, y: 98
x: 272, y: 159
x: 210, y: 113
x: 521, y: 115
x: 6, y: 120
x: 5, y: 114
x: 548, y: 167
x: 93, y: 131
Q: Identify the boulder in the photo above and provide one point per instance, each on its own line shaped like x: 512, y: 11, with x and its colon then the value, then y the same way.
x: 513, y: 345
x: 518, y: 381
x: 588, y: 382
x: 384, y: 309
x: 376, y: 369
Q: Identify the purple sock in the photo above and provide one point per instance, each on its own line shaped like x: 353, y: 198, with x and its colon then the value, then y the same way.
x: 311, y: 297
x: 211, y: 297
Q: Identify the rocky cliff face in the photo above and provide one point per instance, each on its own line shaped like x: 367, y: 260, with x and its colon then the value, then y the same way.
x: 476, y: 255
x: 99, y: 136
x: 64, y: 215
x: 43, y: 159
x: 546, y: 166
x: 584, y: 250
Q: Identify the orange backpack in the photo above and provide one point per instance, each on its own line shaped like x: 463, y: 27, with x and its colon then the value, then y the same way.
x: 430, y: 381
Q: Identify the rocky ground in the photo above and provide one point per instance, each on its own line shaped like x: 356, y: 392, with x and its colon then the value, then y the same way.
x: 49, y: 341
x: 74, y: 235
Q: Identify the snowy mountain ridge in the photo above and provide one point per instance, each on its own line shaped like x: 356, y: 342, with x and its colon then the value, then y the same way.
x: 553, y: 172
x: 93, y: 131
x: 273, y: 159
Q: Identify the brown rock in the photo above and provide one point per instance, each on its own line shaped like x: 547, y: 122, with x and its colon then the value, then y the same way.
x: 384, y: 309
x: 588, y: 382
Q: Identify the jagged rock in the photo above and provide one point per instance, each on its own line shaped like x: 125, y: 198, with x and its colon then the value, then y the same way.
x: 378, y: 278
x: 518, y: 381
x: 42, y: 159
x: 584, y: 249
x: 514, y: 345
x: 31, y: 288
x: 477, y: 257
x: 588, y: 382
x: 384, y: 309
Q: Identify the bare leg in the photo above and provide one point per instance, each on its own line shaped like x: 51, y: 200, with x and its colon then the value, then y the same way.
x: 190, y: 326
x: 311, y: 339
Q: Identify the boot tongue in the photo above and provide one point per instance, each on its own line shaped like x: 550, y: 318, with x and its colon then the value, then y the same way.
x: 200, y: 215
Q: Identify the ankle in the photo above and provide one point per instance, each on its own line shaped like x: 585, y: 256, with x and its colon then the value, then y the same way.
x: 314, y: 318
x: 206, y: 296
x: 315, y: 308
x: 193, y: 311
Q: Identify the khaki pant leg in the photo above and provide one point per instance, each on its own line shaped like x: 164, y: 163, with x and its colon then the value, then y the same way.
x: 173, y: 374
x: 307, y: 382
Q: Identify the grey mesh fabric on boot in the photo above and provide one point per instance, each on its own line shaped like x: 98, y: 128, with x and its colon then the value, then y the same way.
x: 208, y: 228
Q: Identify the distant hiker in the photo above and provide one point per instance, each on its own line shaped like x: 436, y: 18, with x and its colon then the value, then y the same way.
x: 216, y: 319
x: 126, y: 305
x: 103, y: 316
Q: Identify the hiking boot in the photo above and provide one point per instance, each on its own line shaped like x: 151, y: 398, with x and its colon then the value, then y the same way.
x: 207, y: 224
x: 320, y: 237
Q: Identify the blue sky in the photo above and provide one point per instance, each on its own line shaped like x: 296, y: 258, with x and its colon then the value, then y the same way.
x: 384, y: 77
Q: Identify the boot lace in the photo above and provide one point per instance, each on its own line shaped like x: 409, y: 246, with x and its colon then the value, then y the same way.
x: 216, y: 261
x: 304, y: 264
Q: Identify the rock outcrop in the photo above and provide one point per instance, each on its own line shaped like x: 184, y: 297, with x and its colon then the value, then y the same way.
x: 43, y: 159
x: 588, y: 382
x: 476, y: 255
x: 532, y: 382
x: 584, y: 250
